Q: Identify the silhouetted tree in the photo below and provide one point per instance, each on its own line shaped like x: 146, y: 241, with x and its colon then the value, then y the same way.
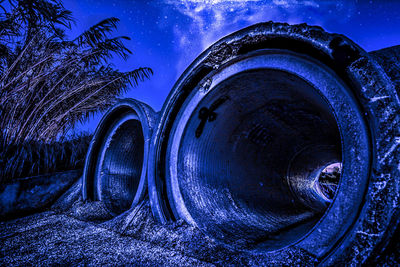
x: 48, y: 83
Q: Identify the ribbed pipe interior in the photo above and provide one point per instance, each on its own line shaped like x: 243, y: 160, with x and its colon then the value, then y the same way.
x: 119, y: 166
x: 251, y: 155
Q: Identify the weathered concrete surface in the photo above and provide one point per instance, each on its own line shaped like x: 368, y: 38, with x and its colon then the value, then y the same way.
x: 32, y: 194
x: 389, y: 59
x: 391, y: 256
x: 115, y: 169
x: 372, y: 201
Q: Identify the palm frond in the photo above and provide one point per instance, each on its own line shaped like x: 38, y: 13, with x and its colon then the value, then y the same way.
x: 98, y: 32
x: 114, y: 45
x: 140, y: 74
x: 48, y: 83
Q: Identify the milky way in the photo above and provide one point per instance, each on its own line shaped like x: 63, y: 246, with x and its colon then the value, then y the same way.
x: 167, y: 35
x: 213, y: 19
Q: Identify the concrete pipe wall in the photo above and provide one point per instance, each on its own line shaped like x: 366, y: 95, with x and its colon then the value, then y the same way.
x: 250, y: 129
x: 115, y: 170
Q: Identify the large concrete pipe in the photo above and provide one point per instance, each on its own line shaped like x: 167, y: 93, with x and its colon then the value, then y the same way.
x: 251, y: 132
x: 115, y: 171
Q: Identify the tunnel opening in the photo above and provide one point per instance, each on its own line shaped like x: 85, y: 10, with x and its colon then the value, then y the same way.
x: 328, y: 179
x: 209, y: 150
x: 251, y: 159
x: 119, y: 164
x: 115, y: 172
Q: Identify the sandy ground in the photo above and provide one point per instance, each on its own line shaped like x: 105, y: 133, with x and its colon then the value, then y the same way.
x: 57, y: 239
x: 77, y: 233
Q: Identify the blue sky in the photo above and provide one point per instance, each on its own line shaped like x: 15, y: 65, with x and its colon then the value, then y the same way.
x: 168, y: 35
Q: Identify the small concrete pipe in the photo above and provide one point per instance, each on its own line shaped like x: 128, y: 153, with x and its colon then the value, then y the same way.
x: 115, y: 171
x: 249, y: 135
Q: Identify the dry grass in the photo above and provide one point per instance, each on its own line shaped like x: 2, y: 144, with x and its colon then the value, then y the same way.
x: 48, y: 83
x: 37, y: 158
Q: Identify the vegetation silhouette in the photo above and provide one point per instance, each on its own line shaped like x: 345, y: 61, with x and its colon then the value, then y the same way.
x: 48, y: 83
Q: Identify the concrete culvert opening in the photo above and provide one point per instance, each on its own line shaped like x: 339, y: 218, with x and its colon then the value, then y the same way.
x: 119, y: 166
x: 279, y: 139
x: 251, y: 168
x: 116, y: 164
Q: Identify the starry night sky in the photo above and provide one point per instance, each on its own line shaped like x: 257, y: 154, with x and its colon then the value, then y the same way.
x: 168, y: 35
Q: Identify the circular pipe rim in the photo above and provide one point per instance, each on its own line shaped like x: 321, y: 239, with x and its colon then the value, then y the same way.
x: 106, y: 142
x: 270, y: 59
x: 146, y: 116
x: 364, y: 76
